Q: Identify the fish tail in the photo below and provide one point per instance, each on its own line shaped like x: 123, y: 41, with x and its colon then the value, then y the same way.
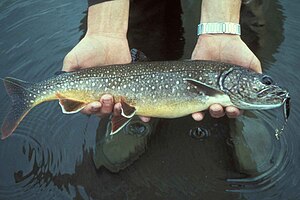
x: 22, y: 102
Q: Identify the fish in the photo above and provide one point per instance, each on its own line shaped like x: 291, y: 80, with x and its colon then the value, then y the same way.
x: 162, y: 89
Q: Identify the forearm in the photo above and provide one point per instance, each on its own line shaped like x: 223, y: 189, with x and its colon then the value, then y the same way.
x: 220, y: 11
x: 108, y: 18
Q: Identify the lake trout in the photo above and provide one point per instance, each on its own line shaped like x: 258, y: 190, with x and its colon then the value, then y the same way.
x: 168, y: 89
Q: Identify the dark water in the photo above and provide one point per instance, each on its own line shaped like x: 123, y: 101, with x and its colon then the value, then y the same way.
x: 51, y: 155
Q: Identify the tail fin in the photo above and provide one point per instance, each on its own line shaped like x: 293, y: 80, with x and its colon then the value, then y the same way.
x: 22, y: 102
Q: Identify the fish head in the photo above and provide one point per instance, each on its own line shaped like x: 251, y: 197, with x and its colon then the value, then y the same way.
x: 251, y: 90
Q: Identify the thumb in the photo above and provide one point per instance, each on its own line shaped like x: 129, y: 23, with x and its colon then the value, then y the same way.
x: 255, y: 65
x: 70, y: 63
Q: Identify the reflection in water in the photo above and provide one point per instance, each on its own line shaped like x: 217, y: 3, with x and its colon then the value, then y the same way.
x: 258, y: 154
x: 119, y: 151
x: 53, y: 156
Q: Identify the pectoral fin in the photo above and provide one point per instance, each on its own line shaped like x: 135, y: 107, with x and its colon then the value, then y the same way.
x: 70, y: 106
x: 118, y: 122
x: 206, y: 89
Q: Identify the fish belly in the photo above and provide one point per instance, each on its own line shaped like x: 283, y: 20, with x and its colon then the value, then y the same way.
x: 179, y: 108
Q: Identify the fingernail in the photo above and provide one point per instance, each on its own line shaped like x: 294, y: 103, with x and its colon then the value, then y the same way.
x: 107, y: 101
x: 94, y: 109
x: 230, y: 109
x: 95, y: 106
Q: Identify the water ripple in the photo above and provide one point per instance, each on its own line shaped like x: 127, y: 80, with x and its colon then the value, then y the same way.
x: 282, y: 159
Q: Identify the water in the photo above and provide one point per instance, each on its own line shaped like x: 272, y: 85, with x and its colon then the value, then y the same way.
x: 51, y: 155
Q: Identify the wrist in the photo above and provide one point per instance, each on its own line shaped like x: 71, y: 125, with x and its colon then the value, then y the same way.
x: 220, y: 11
x: 217, y: 38
x: 108, y: 19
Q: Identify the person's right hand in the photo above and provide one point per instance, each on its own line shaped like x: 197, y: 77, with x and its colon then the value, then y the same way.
x: 98, y: 50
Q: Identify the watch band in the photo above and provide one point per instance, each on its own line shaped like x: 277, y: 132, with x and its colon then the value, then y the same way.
x: 219, y: 28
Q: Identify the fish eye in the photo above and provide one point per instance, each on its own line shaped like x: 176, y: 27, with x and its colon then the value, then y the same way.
x: 267, y: 80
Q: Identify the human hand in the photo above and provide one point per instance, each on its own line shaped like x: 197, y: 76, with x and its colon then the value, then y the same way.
x: 98, y: 50
x: 225, y: 48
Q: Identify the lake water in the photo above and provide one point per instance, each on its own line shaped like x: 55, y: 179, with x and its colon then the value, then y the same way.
x: 57, y: 156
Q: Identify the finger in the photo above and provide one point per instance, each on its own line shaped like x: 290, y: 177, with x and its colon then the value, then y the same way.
x: 107, y: 103
x: 255, y: 64
x: 91, y: 108
x: 117, y: 109
x: 145, y: 119
x: 216, y: 111
x: 233, y: 112
x: 198, y: 116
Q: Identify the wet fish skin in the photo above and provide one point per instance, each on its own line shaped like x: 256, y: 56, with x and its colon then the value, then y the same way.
x: 155, y: 89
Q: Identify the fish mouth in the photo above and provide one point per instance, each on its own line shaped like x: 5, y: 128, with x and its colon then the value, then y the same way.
x: 275, y: 97
x: 275, y: 92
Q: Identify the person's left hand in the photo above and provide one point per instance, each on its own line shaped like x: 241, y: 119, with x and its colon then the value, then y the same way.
x: 225, y: 48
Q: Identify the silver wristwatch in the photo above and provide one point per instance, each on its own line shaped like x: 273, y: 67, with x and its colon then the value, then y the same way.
x: 219, y: 28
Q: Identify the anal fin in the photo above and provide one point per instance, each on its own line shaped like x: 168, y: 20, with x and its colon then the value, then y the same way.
x: 127, y: 110
x: 119, y: 121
